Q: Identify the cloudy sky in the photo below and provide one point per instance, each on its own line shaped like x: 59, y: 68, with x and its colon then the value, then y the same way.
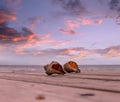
x: 35, y: 32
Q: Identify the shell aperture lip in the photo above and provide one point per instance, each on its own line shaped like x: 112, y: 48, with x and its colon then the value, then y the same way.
x: 57, y: 67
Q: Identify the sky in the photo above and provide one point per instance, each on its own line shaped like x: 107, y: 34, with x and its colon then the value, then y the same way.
x: 36, y: 32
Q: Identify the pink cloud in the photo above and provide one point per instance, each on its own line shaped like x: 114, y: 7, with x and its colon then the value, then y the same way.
x: 42, y: 40
x: 64, y: 43
x: 85, y: 21
x: 7, y: 16
x: 31, y: 42
x: 75, y: 53
x: 67, y: 51
x: 36, y: 53
x: 84, y: 53
x: 70, y: 29
x: 109, y: 52
x: 113, y: 51
x: 72, y: 25
x: 66, y: 31
x: 3, y: 47
x: 33, y: 22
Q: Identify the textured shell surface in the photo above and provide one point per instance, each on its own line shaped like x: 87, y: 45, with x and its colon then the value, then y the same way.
x: 54, y: 68
x: 71, y: 66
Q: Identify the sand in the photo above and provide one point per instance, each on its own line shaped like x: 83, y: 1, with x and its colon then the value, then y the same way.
x: 94, y: 86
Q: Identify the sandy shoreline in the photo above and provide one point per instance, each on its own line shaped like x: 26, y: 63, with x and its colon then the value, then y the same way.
x: 85, y: 87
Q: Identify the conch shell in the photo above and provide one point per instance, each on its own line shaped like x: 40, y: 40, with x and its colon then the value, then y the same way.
x: 71, y: 66
x: 53, y: 68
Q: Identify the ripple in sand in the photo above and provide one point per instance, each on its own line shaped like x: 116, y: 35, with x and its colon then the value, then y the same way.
x: 87, y: 94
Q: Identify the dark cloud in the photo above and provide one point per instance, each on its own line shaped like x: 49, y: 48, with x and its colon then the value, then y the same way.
x: 71, y: 7
x: 79, y: 8
x: 115, y: 6
x: 11, y: 35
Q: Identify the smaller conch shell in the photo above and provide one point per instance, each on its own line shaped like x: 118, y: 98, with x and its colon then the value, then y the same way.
x: 71, y: 66
x: 53, y: 68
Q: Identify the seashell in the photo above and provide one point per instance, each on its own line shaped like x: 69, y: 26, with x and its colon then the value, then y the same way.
x: 53, y: 68
x: 71, y: 66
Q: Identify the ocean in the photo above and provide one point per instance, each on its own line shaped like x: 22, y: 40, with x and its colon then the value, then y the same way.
x: 21, y: 68
x: 40, y: 69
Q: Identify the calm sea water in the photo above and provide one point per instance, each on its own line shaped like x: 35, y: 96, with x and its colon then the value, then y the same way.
x: 101, y: 69
x: 21, y: 68
x: 109, y: 67
x: 39, y: 68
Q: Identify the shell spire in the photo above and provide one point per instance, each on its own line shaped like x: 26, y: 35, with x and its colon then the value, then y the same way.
x: 54, y: 68
x: 71, y: 66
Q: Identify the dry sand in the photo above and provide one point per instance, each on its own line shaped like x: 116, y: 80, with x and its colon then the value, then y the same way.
x: 87, y: 86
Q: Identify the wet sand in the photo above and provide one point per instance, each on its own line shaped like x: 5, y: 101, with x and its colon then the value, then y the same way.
x: 87, y: 86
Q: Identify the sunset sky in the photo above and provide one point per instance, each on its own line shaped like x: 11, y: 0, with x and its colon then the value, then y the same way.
x: 35, y: 32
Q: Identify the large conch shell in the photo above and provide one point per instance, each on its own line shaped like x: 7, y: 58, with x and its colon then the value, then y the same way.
x: 71, y: 66
x: 53, y: 68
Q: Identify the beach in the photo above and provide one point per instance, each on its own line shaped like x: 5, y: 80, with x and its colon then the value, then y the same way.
x: 91, y: 85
